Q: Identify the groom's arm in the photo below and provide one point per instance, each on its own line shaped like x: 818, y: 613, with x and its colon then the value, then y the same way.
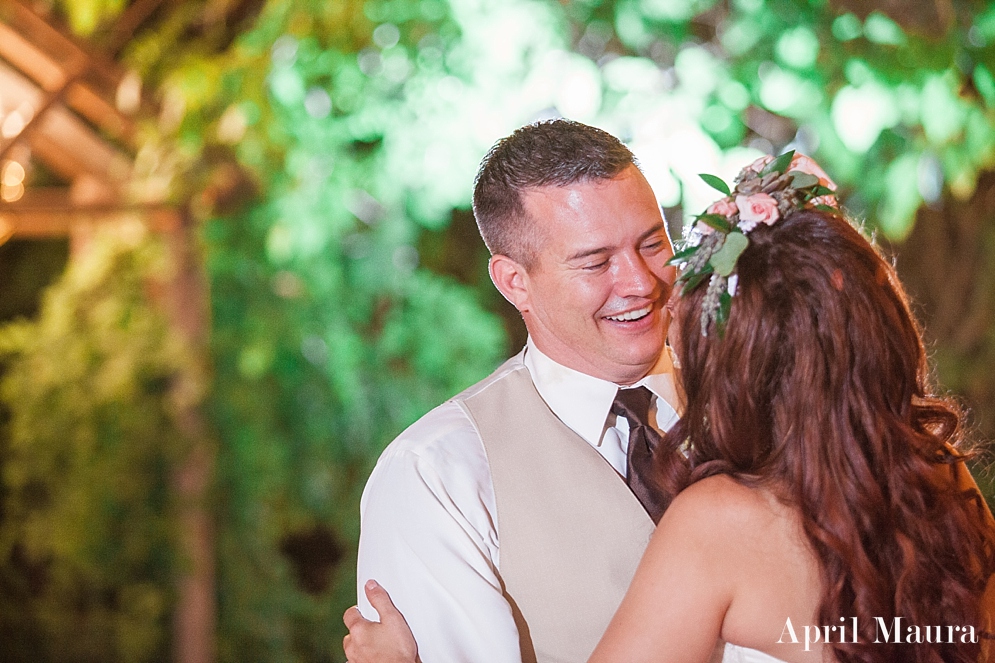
x: 429, y: 537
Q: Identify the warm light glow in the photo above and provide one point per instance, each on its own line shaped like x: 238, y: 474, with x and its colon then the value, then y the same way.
x: 12, y: 125
x: 11, y: 194
x: 12, y: 174
x: 129, y: 93
x: 174, y: 106
x: 26, y: 110
x: 232, y: 125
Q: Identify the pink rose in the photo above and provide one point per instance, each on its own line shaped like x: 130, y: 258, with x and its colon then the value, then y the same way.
x: 758, y: 208
x: 760, y: 163
x: 808, y: 165
x: 724, y: 207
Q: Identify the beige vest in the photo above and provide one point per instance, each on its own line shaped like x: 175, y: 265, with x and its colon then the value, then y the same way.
x: 570, y: 531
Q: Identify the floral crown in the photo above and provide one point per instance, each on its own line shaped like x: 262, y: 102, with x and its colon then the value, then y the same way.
x: 767, y: 190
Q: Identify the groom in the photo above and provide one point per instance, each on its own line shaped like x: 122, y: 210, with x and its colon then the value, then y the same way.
x: 507, y: 522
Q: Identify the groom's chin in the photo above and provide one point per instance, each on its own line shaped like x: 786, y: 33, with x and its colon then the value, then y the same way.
x: 640, y: 357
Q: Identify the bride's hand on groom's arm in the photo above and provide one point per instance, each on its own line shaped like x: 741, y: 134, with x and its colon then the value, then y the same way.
x: 387, y: 641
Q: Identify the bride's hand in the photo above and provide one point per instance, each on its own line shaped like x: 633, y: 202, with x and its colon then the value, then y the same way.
x: 387, y: 641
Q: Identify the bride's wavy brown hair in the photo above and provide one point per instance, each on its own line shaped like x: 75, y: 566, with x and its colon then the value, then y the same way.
x: 819, y: 388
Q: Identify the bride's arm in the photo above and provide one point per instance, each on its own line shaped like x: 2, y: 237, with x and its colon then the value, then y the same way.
x: 387, y: 641
x: 675, y: 606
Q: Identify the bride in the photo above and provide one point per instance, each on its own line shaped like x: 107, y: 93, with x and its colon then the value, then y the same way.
x: 823, y: 511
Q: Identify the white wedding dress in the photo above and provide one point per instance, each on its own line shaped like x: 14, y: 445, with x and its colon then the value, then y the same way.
x: 736, y: 654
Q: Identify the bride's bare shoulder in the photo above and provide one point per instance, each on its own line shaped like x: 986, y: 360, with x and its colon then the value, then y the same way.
x: 725, y: 515
x: 723, y: 500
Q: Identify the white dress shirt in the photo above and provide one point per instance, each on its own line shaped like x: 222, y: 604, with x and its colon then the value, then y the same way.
x: 429, y: 518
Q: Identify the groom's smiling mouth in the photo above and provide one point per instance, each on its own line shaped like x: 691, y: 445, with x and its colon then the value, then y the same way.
x: 631, y: 316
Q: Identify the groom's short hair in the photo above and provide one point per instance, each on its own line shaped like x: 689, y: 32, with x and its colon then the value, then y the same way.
x: 548, y: 153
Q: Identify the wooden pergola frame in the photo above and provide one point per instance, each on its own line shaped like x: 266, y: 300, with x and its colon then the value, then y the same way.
x: 79, y: 109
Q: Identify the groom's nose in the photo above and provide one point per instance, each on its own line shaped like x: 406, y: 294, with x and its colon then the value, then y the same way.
x: 635, y: 278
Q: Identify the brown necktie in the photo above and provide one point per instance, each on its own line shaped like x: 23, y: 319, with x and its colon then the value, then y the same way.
x: 634, y: 405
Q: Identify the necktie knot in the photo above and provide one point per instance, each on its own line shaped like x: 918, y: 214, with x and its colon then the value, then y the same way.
x: 633, y: 404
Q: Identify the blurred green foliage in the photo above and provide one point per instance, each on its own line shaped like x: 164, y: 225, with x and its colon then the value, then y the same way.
x: 87, y: 533
x: 326, y: 150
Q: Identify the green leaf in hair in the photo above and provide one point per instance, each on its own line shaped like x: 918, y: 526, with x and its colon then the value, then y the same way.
x: 800, y: 180
x: 725, y: 305
x: 716, y: 221
x: 780, y: 164
x: 693, y: 281
x: 680, y: 256
x: 715, y: 182
x: 724, y: 260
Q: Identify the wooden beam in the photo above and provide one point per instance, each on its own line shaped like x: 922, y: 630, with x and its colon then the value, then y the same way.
x: 32, y: 28
x: 49, y: 99
x: 34, y: 62
x: 52, y: 60
x: 15, y: 89
x: 103, y: 113
x: 60, y: 131
x: 104, y: 73
x: 61, y: 46
x: 62, y: 141
x: 51, y: 214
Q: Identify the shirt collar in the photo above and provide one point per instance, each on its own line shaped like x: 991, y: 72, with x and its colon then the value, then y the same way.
x: 582, y: 402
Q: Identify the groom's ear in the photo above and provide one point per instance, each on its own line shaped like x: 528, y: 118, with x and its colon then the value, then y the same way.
x: 511, y: 279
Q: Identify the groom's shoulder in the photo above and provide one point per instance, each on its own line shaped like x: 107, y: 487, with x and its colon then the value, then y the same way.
x: 446, y: 430
x: 510, y: 366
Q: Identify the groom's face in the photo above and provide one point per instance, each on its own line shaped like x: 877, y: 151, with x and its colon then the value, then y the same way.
x: 596, y: 292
